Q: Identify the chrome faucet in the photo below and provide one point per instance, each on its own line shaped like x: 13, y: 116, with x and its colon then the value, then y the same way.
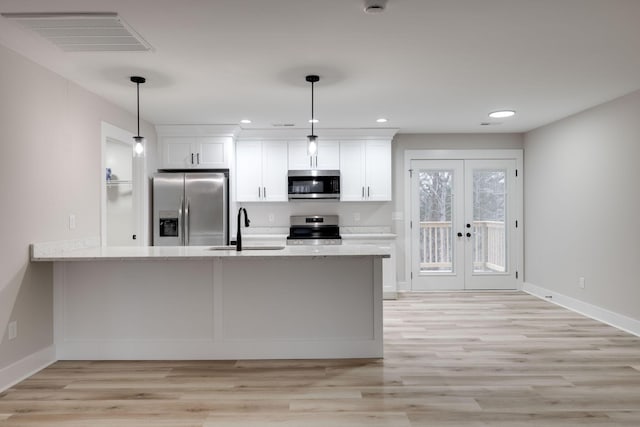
x: 246, y: 224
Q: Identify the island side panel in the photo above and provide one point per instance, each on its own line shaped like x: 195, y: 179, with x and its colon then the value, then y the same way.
x: 315, y: 307
x: 134, y: 309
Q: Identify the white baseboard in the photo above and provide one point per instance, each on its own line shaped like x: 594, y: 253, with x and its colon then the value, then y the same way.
x: 389, y: 295
x: 25, y: 367
x: 404, y: 286
x: 611, y: 318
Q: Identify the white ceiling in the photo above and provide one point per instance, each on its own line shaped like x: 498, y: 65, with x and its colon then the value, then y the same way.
x: 426, y: 65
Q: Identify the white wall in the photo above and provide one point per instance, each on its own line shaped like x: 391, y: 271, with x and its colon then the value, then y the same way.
x: 403, y: 142
x: 582, y: 205
x: 50, y: 167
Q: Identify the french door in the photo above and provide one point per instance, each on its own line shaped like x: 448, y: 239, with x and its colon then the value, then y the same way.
x: 463, y: 224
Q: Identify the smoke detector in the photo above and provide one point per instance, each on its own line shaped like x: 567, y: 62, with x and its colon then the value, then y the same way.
x: 375, y: 6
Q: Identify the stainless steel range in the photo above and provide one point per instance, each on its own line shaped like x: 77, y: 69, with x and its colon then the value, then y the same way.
x: 314, y: 230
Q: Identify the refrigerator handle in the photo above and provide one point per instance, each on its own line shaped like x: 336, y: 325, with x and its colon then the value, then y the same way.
x: 181, y: 223
x: 186, y: 224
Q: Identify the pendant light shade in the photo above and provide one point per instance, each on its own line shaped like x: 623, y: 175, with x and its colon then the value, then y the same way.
x: 138, y: 148
x: 312, y: 146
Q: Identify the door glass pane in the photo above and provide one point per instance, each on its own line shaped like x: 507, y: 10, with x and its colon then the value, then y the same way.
x: 489, y: 215
x: 436, y: 207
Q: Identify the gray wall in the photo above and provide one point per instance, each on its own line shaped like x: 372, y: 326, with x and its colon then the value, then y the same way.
x: 50, y: 167
x: 403, y: 142
x: 582, y: 203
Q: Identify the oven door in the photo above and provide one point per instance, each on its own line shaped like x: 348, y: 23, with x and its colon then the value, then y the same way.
x: 313, y: 185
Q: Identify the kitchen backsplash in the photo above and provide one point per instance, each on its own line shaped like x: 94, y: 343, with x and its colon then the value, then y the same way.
x: 273, y: 218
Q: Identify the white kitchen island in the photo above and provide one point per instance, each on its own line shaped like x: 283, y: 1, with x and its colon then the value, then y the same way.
x: 196, y: 303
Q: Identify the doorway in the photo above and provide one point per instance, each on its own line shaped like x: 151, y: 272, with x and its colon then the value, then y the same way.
x: 123, y: 190
x: 464, y: 225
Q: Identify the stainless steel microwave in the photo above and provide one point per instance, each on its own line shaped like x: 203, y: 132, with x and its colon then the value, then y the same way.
x: 314, y: 184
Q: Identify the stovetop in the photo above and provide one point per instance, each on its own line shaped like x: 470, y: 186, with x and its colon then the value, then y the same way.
x: 314, y: 230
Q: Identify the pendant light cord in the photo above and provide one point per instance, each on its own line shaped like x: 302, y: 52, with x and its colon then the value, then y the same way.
x: 138, y: 99
x: 312, y: 116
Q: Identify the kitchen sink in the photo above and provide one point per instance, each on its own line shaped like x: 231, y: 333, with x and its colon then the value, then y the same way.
x: 247, y: 248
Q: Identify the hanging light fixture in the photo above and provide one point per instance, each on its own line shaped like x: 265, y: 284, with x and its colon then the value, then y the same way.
x: 138, y: 148
x: 312, y: 146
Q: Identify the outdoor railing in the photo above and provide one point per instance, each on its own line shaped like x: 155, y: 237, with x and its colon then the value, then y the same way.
x: 488, y: 239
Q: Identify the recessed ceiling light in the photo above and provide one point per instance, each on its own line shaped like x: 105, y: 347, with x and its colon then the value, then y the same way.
x: 381, y: 120
x: 502, y: 114
x: 245, y: 121
x: 313, y: 120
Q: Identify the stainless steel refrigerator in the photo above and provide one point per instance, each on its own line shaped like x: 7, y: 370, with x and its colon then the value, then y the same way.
x: 190, y: 209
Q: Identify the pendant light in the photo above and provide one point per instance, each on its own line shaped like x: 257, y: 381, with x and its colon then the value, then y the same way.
x: 138, y: 149
x: 312, y: 146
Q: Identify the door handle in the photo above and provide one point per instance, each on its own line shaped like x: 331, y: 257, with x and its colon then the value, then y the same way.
x: 187, y: 219
x: 181, y: 223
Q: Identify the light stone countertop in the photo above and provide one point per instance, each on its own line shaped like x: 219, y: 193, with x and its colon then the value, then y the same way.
x: 199, y: 253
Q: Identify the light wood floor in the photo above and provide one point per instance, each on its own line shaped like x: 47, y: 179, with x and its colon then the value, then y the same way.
x: 451, y: 359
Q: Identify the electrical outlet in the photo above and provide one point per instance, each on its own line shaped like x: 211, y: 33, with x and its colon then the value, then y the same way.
x: 72, y: 222
x: 13, y: 330
x: 356, y: 216
x: 581, y: 282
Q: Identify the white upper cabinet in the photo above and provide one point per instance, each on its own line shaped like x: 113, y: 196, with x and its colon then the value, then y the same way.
x: 365, y: 170
x: 326, y: 158
x: 194, y: 147
x: 194, y: 152
x: 261, y: 171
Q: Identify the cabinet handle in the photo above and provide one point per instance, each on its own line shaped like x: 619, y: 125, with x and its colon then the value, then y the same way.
x: 198, y: 157
x: 191, y: 158
x: 258, y: 192
x: 264, y: 192
x: 368, y: 192
x: 310, y: 161
x: 363, y: 192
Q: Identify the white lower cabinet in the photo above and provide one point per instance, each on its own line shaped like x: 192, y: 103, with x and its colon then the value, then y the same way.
x: 365, y: 170
x: 261, y: 171
x: 389, y: 286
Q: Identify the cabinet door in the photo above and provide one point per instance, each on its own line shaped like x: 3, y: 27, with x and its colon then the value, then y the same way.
x: 248, y: 171
x: 328, y: 157
x: 274, y: 171
x: 212, y: 152
x: 378, y: 170
x: 299, y: 158
x: 352, y: 171
x: 177, y: 152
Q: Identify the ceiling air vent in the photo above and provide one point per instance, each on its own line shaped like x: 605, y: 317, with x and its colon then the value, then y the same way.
x: 83, y: 32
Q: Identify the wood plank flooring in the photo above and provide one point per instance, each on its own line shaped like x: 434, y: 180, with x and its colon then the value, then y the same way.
x: 451, y: 359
